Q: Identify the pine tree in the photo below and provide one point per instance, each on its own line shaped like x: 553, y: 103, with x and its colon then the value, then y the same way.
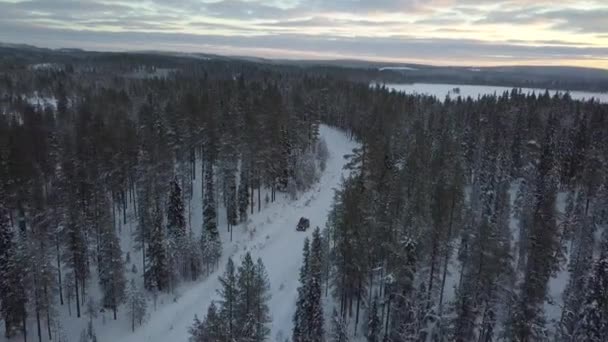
x: 243, y: 310
x: 137, y: 304
x: 228, y: 303
x: 314, y: 310
x: 373, y: 323
x: 157, y: 268
x: 261, y: 311
x: 231, y: 201
x: 300, y: 322
x: 176, y: 231
x: 213, y: 323
x: 197, y: 331
x: 339, y: 328
x: 211, y: 329
x: 592, y: 323
x: 527, y: 321
x: 76, y: 253
x: 193, y: 257
x: 210, y: 240
x: 111, y: 270
x: 88, y: 334
x: 243, y: 195
x: 581, y: 260
x: 12, y: 287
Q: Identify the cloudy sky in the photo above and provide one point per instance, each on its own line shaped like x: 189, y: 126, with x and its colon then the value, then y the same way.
x: 454, y: 32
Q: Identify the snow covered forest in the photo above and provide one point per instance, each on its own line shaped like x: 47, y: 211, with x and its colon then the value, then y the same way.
x: 138, y: 205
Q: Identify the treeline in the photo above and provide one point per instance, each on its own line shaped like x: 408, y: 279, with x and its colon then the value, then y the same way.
x: 242, y: 313
x: 122, y: 152
x: 491, y: 198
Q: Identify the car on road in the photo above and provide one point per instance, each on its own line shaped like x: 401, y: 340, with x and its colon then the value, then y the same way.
x: 303, y: 224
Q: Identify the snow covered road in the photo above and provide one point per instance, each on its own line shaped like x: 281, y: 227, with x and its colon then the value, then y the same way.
x: 275, y: 241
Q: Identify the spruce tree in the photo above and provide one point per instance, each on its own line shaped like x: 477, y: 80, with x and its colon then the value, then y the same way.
x: 228, y: 303
x: 157, y: 268
x: 592, y: 322
x: 12, y: 287
x: 261, y: 311
x: 300, y: 323
x: 243, y: 194
x: 136, y: 304
x: 245, y: 298
x: 176, y: 231
x: 339, y: 328
x: 314, y: 310
x: 176, y: 221
x: 111, y: 270
x: 373, y: 323
x: 210, y: 241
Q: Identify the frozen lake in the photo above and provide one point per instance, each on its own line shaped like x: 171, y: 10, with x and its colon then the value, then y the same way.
x: 440, y: 90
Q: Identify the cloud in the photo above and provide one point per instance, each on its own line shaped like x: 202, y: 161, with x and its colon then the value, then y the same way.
x: 568, y: 19
x: 427, y: 30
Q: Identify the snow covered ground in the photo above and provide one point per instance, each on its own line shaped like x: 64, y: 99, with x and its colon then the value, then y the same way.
x: 474, y: 91
x: 398, y: 68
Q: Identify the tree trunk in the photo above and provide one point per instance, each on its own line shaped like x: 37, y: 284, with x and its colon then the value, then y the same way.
x: 447, y: 256
x: 143, y: 257
x: 48, y: 315
x: 59, y: 269
x: 24, y: 328
x: 77, y: 298
x: 37, y: 303
x: 358, y: 306
x: 432, y: 273
x: 69, y: 304
x: 252, y: 188
x: 388, y: 317
x: 133, y: 318
x: 259, y: 197
x: 124, y: 207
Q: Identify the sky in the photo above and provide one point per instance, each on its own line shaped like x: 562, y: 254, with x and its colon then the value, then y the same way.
x: 441, y: 32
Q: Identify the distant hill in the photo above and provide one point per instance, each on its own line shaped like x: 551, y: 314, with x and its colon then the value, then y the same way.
x: 551, y: 77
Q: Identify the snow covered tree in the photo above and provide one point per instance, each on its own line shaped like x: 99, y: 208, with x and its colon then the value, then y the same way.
x: 88, y: 334
x: 210, y: 329
x: 581, y: 261
x: 111, y: 270
x: 231, y: 201
x: 210, y: 239
x: 322, y: 153
x: 13, y: 297
x: 339, y: 331
x: 373, y: 323
x: 197, y: 330
x: 261, y: 311
x: 300, y: 322
x: 592, y: 322
x: 176, y: 229
x: 251, y: 309
x: 136, y: 304
x: 527, y: 321
x: 157, y: 268
x: 244, y: 298
x: 76, y: 255
x: 228, y: 303
x: 91, y: 309
x: 314, y: 311
x: 193, y: 257
x: 243, y: 194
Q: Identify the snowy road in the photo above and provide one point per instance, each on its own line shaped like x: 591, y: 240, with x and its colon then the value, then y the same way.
x: 275, y: 240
